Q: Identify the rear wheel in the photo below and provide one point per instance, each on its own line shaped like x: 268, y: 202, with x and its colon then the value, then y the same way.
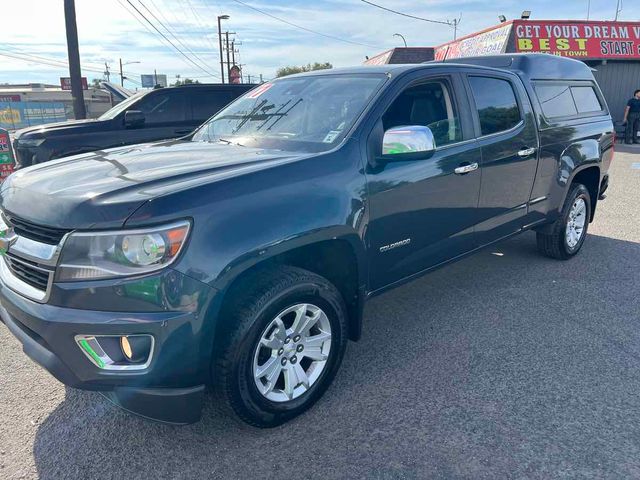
x: 287, y: 341
x: 569, y: 231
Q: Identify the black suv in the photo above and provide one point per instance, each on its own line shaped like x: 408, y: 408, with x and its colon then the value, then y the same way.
x: 241, y: 257
x: 145, y: 117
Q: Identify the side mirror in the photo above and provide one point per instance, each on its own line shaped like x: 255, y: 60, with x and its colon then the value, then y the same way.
x: 133, y: 118
x: 412, y: 142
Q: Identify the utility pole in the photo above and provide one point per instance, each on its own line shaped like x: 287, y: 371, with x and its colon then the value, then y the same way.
x: 155, y: 77
x: 261, y: 81
x: 221, y: 17
x: 106, y: 71
x: 455, y: 28
x: 75, y: 73
x: 121, y: 74
x: 618, y: 9
x: 228, y: 59
x: 233, y: 52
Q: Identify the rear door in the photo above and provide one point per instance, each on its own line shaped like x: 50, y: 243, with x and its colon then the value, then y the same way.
x: 508, y: 137
x: 205, y: 103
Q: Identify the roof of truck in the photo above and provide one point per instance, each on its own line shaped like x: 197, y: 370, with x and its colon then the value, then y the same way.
x: 535, y: 66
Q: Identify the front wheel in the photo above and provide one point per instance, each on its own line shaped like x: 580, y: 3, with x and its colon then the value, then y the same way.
x: 286, y: 340
x: 569, y: 231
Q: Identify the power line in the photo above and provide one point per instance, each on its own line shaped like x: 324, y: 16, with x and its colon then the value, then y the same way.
x: 19, y: 54
x: 442, y: 22
x: 304, y: 28
x: 171, y: 33
x: 192, y: 62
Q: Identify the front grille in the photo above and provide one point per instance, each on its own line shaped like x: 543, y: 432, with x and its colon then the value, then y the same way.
x: 29, y: 272
x: 49, y: 235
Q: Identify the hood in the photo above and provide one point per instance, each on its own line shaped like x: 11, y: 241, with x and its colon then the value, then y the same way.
x: 58, y: 128
x: 102, y: 189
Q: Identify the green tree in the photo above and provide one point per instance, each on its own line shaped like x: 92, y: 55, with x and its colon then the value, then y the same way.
x: 184, y: 81
x: 284, y: 71
x: 95, y: 82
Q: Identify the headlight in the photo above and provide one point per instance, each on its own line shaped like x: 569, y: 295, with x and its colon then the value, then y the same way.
x: 30, y: 142
x: 99, y: 255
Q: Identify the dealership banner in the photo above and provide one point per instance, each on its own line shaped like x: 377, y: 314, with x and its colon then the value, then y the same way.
x: 582, y: 40
x: 488, y: 42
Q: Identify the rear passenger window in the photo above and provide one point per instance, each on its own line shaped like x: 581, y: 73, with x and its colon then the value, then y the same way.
x: 586, y: 99
x: 556, y: 100
x: 206, y: 104
x: 496, y: 103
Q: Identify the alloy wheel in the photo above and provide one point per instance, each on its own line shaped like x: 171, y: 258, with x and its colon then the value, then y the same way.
x: 292, y: 352
x: 576, y: 223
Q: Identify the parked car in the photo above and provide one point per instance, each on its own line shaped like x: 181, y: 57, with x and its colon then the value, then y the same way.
x: 241, y: 257
x: 144, y: 117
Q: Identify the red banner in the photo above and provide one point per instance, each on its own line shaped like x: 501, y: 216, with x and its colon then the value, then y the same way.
x: 65, y: 83
x: 581, y: 40
x: 491, y: 41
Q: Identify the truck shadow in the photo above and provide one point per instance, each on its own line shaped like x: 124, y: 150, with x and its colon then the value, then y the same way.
x: 474, y: 370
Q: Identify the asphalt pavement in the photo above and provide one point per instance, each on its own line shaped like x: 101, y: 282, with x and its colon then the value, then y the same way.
x: 504, y: 365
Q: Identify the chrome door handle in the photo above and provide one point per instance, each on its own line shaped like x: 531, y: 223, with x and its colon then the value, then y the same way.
x: 462, y: 169
x: 525, y: 152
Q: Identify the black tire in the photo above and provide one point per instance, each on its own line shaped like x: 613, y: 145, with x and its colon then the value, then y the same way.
x: 555, y: 244
x: 253, y: 305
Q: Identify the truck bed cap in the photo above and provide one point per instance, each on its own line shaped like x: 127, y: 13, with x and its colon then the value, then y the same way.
x: 535, y: 66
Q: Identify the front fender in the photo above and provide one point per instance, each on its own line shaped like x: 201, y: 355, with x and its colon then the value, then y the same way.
x: 264, y: 253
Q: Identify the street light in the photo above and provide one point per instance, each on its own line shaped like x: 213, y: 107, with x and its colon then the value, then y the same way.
x: 402, y: 37
x: 525, y: 15
x: 502, y: 18
x: 221, y: 17
x: 122, y: 77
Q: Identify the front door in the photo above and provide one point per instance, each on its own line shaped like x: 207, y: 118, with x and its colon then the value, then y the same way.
x: 422, y: 212
x: 167, y: 115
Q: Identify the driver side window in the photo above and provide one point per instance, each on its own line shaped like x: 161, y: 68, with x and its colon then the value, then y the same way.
x: 429, y: 105
x: 164, y: 107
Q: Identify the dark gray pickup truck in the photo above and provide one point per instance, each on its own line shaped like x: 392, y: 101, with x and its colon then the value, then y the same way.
x: 240, y: 257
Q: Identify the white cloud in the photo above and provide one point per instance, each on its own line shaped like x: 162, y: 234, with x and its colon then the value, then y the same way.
x: 108, y: 32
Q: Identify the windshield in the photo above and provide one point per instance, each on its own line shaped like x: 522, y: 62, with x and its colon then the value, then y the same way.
x: 121, y: 107
x: 309, y: 114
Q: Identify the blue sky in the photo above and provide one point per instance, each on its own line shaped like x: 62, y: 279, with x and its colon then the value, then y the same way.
x: 108, y: 31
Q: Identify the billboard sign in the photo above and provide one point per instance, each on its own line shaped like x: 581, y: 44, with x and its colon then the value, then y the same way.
x: 380, y: 59
x: 487, y: 42
x: 582, y: 40
x: 65, y: 83
x: 150, y: 81
x: 7, y: 163
x: 14, y: 115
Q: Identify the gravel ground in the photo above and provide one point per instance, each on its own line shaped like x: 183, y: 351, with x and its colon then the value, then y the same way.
x: 506, y: 364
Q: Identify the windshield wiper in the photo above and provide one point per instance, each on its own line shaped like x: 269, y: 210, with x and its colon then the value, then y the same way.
x: 229, y: 142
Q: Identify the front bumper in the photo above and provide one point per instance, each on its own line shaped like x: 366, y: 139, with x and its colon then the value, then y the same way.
x: 171, y: 388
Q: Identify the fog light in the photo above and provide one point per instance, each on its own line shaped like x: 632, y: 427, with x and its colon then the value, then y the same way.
x: 126, y: 347
x: 115, y: 352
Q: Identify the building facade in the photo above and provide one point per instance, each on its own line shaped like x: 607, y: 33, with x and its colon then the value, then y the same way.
x: 36, y: 104
x: 611, y: 49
